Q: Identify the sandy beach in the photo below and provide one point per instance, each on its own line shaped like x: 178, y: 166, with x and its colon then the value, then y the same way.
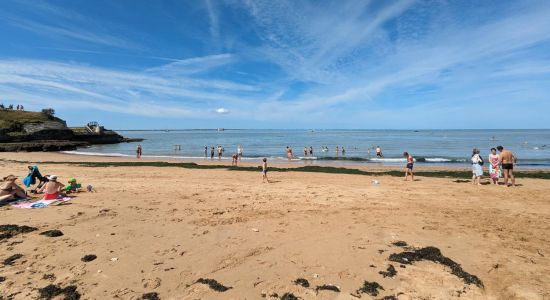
x: 159, y: 230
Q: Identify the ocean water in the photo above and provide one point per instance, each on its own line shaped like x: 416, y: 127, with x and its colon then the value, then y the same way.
x: 532, y: 147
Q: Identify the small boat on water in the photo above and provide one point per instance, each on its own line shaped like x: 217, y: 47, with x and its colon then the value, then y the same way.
x: 221, y: 129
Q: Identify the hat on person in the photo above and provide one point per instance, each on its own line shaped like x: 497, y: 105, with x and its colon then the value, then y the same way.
x: 10, y: 177
x: 72, y: 180
x: 52, y: 177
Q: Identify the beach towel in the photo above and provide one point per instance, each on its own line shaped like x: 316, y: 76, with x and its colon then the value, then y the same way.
x: 40, y: 203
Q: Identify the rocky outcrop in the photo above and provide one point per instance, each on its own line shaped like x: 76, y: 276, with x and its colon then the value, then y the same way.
x: 32, y: 131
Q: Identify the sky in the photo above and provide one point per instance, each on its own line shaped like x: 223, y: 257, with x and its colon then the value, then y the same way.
x: 400, y: 64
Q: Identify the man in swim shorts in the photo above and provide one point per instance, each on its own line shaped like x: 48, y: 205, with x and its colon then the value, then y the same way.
x: 264, y: 170
x: 507, y: 159
x: 409, y: 167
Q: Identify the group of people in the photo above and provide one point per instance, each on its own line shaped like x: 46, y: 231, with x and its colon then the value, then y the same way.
x: 47, y: 185
x: 499, y: 164
x: 10, y: 107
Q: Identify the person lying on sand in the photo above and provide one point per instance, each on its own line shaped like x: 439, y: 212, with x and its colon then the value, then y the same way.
x: 52, y: 189
x: 9, y: 190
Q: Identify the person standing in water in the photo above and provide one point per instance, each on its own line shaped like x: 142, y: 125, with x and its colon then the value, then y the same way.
x: 378, y: 151
x: 205, y: 151
x: 311, y: 150
x: 305, y: 151
x: 409, y: 167
x: 343, y: 151
x: 288, y: 152
x: 264, y: 170
x: 337, y: 151
x: 138, y: 151
x: 212, y: 153
x: 239, y: 152
x: 220, y: 152
x: 507, y: 159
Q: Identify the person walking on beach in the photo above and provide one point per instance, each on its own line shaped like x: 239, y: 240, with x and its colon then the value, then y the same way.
x: 234, y: 159
x: 494, y: 166
x: 264, y: 170
x: 288, y: 152
x: 212, y: 153
x: 378, y: 151
x: 138, y: 151
x: 409, y: 166
x: 477, y: 170
x: 507, y: 160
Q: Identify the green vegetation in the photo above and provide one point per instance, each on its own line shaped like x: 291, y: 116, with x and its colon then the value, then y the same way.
x: 454, y: 174
x: 14, y: 120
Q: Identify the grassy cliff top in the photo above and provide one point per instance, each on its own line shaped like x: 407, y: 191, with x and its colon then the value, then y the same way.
x: 8, y: 118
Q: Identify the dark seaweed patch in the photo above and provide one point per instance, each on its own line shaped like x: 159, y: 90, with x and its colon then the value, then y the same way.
x: 289, y: 296
x: 52, y: 233
x: 11, y: 230
x: 370, y: 288
x: 390, y: 272
x: 88, y: 258
x: 150, y: 296
x: 391, y: 297
x: 10, y: 260
x: 213, y: 284
x: 400, y: 244
x: 434, y: 254
x: 2, y: 278
x: 302, y: 281
x: 51, y: 291
x: 327, y: 287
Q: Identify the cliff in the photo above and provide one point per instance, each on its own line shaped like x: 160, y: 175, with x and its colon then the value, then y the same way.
x: 41, y: 131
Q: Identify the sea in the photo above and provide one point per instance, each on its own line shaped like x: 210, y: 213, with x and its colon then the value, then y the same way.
x: 430, y: 147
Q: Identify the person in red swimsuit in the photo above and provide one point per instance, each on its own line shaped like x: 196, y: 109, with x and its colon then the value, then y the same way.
x: 52, y: 188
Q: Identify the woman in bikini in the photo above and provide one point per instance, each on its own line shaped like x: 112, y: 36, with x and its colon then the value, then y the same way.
x: 9, y: 190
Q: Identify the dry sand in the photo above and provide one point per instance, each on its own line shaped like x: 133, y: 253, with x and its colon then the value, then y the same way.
x: 168, y: 227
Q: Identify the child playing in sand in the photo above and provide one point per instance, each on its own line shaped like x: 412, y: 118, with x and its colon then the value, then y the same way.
x: 72, y: 187
x: 264, y: 170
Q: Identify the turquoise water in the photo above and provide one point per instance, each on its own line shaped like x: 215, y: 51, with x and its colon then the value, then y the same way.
x: 532, y: 147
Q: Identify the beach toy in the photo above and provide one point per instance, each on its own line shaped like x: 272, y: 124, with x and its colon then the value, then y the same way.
x: 90, y: 188
x: 375, y: 182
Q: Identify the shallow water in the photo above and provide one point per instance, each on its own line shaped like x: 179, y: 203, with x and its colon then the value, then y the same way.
x: 532, y: 147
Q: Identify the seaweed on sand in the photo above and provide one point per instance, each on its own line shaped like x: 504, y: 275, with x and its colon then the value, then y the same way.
x: 52, y: 233
x: 11, y: 230
x: 88, y: 258
x: 51, y: 291
x: 434, y: 254
x: 400, y: 244
x: 302, y: 281
x: 289, y: 296
x: 370, y: 288
x: 10, y: 260
x: 390, y: 272
x: 213, y: 284
x: 150, y: 296
x: 327, y: 287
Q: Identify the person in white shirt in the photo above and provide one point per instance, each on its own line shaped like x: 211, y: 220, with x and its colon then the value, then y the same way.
x: 477, y: 170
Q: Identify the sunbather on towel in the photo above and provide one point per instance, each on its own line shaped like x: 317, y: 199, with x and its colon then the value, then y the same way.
x: 52, y: 188
x: 9, y: 190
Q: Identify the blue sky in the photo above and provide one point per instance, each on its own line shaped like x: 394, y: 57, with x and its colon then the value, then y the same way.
x: 280, y: 64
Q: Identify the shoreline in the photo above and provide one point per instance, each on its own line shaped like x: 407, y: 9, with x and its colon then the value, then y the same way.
x: 457, y: 172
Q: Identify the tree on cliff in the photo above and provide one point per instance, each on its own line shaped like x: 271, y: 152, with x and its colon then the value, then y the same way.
x: 48, y: 112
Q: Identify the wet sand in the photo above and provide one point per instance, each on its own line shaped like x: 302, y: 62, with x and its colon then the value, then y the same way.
x: 159, y: 230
